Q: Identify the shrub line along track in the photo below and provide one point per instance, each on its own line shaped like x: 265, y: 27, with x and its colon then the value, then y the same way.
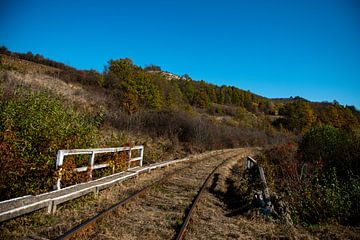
x: 92, y: 221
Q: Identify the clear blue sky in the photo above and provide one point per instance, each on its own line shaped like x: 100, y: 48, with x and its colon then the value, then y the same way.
x: 273, y: 48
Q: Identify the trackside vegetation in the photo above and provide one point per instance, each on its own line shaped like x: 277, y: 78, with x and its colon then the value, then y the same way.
x: 311, y: 149
x: 319, y: 177
x: 33, y: 126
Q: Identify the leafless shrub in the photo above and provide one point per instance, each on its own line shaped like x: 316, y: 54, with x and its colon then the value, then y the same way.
x: 198, y: 131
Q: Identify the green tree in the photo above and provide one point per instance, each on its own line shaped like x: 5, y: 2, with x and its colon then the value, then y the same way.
x: 321, y: 144
x: 201, y: 99
x: 186, y: 76
x: 119, y: 72
x: 299, y: 116
x: 152, y: 67
x: 220, y: 93
x: 146, y: 90
x: 188, y: 90
x: 136, y: 86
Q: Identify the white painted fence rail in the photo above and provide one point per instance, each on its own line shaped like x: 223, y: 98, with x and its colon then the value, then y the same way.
x: 22, y: 205
x: 92, y: 152
x: 18, y: 206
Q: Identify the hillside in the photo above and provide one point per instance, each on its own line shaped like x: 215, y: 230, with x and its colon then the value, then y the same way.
x: 143, y: 108
x: 122, y: 76
x: 311, y: 149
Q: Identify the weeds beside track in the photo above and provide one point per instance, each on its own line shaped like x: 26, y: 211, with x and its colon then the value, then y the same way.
x: 169, y: 184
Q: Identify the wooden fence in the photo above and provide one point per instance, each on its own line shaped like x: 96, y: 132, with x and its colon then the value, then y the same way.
x: 250, y: 163
x: 92, y: 152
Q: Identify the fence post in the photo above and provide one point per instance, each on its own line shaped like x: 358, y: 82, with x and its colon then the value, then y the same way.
x: 250, y: 162
x: 263, y: 180
x: 129, y: 157
x: 142, y: 156
x: 92, y: 160
x: 59, y: 163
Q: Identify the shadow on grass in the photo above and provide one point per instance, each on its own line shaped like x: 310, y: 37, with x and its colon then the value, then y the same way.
x: 236, y: 201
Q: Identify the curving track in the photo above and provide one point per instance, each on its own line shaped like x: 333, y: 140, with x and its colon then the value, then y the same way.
x: 158, y: 210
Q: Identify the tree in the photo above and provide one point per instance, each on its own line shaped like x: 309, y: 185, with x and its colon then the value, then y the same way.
x: 337, y: 116
x: 220, y: 95
x: 173, y: 94
x: 201, y: 99
x: 267, y: 107
x: 147, y: 92
x: 188, y: 90
x: 124, y: 68
x: 299, y: 116
x: 4, y: 50
x: 152, y: 67
x: 135, y: 85
x: 130, y: 102
x: 186, y: 76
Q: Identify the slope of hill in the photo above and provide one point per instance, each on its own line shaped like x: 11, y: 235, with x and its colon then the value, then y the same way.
x: 112, y: 111
x: 46, y: 106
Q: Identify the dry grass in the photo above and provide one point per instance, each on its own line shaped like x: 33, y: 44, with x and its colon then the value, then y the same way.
x: 27, y: 66
x: 331, y: 231
x: 87, y: 98
x: 158, y: 214
x: 215, y: 218
x: 40, y: 224
x: 74, y: 212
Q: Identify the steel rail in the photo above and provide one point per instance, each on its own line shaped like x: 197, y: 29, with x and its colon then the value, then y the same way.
x: 181, y: 233
x: 86, y: 224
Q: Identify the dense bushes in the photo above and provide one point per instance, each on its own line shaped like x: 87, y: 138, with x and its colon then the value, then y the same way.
x: 320, y: 180
x: 33, y: 126
x: 324, y: 197
x: 300, y: 115
x: 196, y: 130
x: 329, y: 147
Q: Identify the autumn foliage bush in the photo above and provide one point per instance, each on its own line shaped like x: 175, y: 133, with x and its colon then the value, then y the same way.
x: 329, y: 147
x: 300, y: 116
x: 318, y: 179
x: 33, y: 126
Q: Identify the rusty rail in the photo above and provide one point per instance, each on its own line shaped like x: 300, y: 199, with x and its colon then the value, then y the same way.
x: 78, y: 230
x: 181, y: 233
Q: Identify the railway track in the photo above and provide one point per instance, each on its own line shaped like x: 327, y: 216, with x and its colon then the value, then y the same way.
x: 83, y: 226
x: 181, y: 233
x: 159, y: 214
